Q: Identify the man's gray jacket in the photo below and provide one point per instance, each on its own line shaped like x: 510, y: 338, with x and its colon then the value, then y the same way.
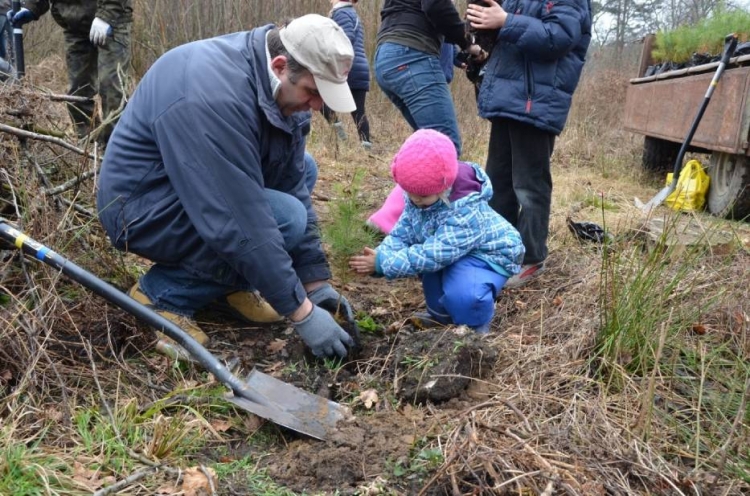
x: 184, y: 172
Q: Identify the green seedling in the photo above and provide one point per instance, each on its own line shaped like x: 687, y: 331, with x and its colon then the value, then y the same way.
x: 333, y: 364
x: 366, y: 323
x: 419, y: 363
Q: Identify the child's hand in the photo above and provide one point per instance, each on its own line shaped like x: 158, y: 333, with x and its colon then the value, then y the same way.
x: 365, y: 263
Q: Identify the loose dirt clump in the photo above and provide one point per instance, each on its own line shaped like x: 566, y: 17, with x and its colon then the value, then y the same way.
x: 358, y: 452
x: 439, y: 364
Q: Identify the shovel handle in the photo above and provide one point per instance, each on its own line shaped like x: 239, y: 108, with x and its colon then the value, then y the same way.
x: 18, y: 43
x: 730, y: 45
x: 113, y: 295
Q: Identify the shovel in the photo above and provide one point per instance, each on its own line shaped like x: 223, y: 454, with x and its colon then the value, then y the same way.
x: 730, y: 43
x: 259, y: 393
x: 18, y: 43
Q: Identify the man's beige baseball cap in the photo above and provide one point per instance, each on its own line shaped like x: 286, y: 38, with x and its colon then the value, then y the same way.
x: 322, y: 47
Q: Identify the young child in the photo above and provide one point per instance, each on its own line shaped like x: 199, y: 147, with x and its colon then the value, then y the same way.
x: 448, y: 234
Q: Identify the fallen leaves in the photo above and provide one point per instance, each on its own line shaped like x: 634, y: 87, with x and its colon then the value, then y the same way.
x: 196, y: 482
x: 369, y: 398
x: 276, y: 346
x: 221, y: 425
x: 90, y: 479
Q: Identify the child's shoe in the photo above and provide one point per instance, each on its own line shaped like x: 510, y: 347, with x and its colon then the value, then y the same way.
x: 528, y: 272
x: 426, y: 320
x: 482, y: 329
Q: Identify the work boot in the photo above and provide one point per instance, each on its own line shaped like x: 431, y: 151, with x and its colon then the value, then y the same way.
x: 250, y: 307
x: 166, y: 345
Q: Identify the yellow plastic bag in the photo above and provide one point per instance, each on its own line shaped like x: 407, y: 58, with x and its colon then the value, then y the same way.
x: 692, y: 186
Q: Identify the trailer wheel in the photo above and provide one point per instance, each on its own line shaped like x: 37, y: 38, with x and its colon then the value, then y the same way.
x: 729, y: 190
x: 658, y: 154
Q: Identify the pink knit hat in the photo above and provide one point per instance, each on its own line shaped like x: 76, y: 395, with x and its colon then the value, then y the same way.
x: 426, y: 164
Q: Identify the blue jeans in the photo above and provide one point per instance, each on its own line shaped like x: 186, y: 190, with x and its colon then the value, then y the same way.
x: 173, y: 289
x: 415, y: 83
x: 463, y: 293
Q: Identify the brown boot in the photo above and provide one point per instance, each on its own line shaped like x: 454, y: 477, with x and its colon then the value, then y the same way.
x: 166, y: 345
x: 250, y: 307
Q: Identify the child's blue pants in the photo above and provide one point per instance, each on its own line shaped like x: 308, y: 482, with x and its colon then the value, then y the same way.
x: 464, y: 292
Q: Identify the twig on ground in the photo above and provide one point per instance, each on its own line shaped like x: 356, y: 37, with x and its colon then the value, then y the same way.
x: 210, y: 478
x: 56, y: 97
x: 41, y: 137
x: 78, y: 208
x: 121, y: 484
x: 69, y: 184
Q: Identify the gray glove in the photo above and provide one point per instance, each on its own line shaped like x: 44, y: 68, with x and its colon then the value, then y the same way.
x: 323, y: 335
x: 329, y: 299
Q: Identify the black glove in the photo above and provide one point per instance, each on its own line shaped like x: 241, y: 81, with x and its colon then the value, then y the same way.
x: 327, y: 298
x: 323, y: 335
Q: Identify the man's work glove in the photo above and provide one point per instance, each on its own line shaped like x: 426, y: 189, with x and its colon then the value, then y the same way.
x: 18, y: 19
x: 327, y: 298
x: 99, y: 32
x: 323, y: 335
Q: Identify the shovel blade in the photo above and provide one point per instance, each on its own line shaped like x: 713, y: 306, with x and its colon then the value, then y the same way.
x: 292, y: 407
x: 657, y: 200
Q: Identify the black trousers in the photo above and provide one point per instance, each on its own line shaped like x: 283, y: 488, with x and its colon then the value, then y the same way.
x: 359, y: 116
x: 518, y: 164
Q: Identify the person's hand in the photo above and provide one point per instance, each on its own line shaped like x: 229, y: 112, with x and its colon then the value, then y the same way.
x: 99, y: 31
x: 18, y: 19
x: 323, y: 335
x: 477, y: 53
x: 491, y: 16
x: 327, y: 298
x: 364, y: 263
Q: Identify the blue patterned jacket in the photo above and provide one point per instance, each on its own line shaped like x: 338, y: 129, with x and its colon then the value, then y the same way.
x: 430, y: 239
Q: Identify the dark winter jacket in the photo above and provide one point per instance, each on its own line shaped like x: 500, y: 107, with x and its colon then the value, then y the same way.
x: 535, y: 66
x: 77, y: 15
x: 346, y: 16
x: 434, y: 19
x: 183, y: 177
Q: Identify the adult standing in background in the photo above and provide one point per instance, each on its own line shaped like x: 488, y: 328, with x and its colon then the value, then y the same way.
x: 97, y: 53
x: 526, y: 94
x: 408, y: 70
x: 345, y: 15
x: 5, y: 29
x: 448, y: 54
x: 407, y: 61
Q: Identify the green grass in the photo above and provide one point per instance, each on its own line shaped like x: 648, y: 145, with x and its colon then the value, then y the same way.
x: 256, y: 481
x: 690, y: 382
x: 28, y: 470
